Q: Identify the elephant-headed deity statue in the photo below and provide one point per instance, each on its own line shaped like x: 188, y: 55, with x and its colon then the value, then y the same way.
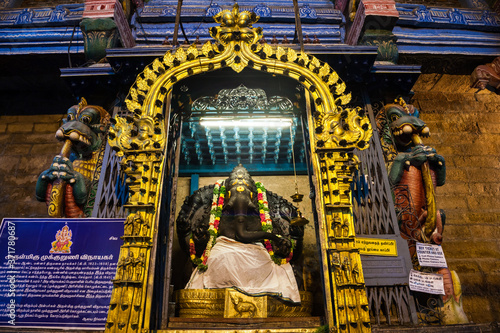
x: 240, y: 235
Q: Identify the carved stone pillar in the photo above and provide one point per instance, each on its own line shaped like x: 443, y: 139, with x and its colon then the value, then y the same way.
x: 372, y: 25
x: 98, y: 35
x: 385, y: 40
x: 101, y: 19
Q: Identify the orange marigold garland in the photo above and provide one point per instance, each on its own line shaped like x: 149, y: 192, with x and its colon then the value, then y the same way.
x: 213, y: 227
x: 267, y: 224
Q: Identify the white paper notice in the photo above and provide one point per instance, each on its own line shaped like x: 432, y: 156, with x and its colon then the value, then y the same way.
x: 426, y: 282
x: 430, y: 255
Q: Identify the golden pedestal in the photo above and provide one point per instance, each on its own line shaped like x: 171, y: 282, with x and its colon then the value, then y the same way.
x: 229, y: 303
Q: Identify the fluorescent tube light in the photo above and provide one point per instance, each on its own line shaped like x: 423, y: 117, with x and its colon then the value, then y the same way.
x: 248, y: 122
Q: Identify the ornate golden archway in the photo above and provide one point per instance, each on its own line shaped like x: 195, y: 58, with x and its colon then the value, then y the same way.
x: 335, y: 131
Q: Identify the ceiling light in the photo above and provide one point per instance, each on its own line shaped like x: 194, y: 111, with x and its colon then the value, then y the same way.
x: 248, y: 122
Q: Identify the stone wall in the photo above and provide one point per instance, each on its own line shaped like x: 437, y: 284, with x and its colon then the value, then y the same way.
x: 465, y: 129
x: 27, y: 147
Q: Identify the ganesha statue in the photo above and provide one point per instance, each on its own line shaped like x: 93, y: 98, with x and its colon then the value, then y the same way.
x: 65, y: 186
x: 241, y: 236
x: 414, y: 172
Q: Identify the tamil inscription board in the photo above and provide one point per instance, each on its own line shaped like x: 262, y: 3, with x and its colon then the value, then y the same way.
x: 56, y: 273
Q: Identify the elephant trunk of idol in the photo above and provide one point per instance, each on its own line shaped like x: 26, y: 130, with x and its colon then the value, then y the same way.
x: 430, y: 199
x: 239, y: 202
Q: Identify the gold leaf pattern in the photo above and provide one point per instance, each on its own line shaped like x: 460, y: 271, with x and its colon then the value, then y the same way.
x: 334, y: 77
x: 193, y: 50
x: 340, y: 88
x: 268, y: 50
x: 258, y: 47
x: 206, y: 48
x: 149, y: 74
x: 324, y: 70
x: 142, y: 84
x: 157, y: 64
x: 132, y: 105
x: 180, y: 55
x: 314, y: 63
x: 344, y: 99
x: 168, y: 59
x: 305, y: 58
x: 238, y: 67
x: 215, y: 48
x: 292, y: 55
x: 280, y: 52
x: 133, y: 94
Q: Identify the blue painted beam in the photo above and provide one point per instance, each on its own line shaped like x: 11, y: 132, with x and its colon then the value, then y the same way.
x: 447, y: 18
x: 67, y: 15
x: 152, y: 34
x: 40, y: 40
x: 99, y: 70
x: 195, y: 183
x: 48, y: 30
x: 321, y: 11
x: 411, y: 40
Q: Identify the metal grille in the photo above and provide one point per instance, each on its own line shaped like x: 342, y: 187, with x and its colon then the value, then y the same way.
x: 373, y: 210
x: 386, y: 278
x: 112, y: 190
x: 390, y: 305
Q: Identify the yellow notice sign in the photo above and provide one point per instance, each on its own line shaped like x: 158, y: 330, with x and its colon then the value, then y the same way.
x: 377, y: 246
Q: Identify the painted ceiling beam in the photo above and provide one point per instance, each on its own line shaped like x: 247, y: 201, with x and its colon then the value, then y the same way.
x: 437, y: 41
x: 66, y: 15
x: 154, y: 33
x: 447, y: 18
x: 41, y: 40
x: 319, y: 11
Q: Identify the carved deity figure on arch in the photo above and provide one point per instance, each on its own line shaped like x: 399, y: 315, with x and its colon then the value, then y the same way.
x: 239, y: 235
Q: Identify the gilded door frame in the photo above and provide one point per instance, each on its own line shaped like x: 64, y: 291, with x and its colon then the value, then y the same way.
x: 335, y: 131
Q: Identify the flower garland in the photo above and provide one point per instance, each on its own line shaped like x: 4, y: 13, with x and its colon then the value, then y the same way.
x: 267, y: 225
x: 213, y: 227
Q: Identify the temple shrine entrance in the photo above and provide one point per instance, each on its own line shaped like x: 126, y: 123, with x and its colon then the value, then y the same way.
x: 152, y: 146
x: 258, y: 123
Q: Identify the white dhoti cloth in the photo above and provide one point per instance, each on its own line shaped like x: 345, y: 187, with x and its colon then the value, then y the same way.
x: 247, y: 268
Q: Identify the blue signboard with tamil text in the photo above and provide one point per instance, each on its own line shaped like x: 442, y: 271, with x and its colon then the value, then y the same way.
x: 56, y: 273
